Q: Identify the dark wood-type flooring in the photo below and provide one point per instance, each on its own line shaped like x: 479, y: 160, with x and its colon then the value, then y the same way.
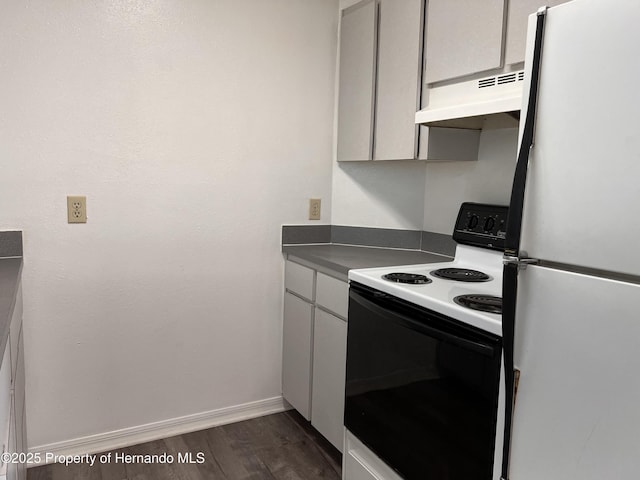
x: 281, y: 446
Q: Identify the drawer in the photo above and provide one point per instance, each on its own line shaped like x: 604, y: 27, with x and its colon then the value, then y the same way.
x: 299, y: 279
x: 332, y: 294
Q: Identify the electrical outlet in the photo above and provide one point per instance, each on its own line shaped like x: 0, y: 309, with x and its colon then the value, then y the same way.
x: 314, y: 209
x: 76, y: 209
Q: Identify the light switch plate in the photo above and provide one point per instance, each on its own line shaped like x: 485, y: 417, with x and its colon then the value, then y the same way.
x: 76, y: 209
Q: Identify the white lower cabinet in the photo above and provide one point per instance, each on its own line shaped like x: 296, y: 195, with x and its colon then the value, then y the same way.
x: 6, y: 409
x: 12, y: 398
x: 329, y: 362
x: 296, y: 353
x: 360, y: 463
x: 12, y: 468
x: 314, y: 348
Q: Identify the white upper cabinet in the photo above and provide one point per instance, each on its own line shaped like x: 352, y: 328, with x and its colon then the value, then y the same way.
x: 463, y: 37
x: 358, y: 42
x: 398, y: 79
x: 380, y: 82
x: 519, y: 11
x: 380, y: 79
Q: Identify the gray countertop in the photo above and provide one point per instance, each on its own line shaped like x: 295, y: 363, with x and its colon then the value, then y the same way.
x: 9, y: 280
x: 342, y: 258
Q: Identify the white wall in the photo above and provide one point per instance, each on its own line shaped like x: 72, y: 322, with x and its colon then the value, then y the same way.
x: 195, y: 129
x: 379, y: 194
x: 424, y: 195
x: 487, y: 180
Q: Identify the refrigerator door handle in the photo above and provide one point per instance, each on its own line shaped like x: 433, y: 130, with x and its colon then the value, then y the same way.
x: 512, y: 260
x: 521, y: 262
x: 516, y: 203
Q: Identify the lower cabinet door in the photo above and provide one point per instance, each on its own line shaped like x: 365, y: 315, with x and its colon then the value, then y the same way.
x: 329, y: 362
x: 296, y: 353
x: 12, y: 468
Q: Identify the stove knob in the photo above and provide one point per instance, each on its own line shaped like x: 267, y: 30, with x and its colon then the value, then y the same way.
x: 473, y: 222
x: 489, y: 224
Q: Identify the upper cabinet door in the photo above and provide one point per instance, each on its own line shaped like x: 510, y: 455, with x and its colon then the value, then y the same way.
x: 398, y: 85
x: 358, y: 45
x: 463, y: 37
x: 519, y: 11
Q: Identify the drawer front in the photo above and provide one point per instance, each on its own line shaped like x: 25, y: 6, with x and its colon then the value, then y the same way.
x: 299, y: 280
x: 332, y: 294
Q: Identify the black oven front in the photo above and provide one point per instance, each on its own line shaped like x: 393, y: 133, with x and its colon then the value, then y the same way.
x: 421, y: 388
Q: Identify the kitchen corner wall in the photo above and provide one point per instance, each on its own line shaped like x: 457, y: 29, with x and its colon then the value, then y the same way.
x: 416, y: 195
x: 379, y: 194
x: 487, y: 180
x: 195, y: 129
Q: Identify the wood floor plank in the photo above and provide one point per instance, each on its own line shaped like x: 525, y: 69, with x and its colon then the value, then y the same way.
x: 39, y: 473
x: 179, y: 449
x: 197, y: 442
x: 282, y: 446
x: 243, y: 452
x: 328, y: 452
x: 267, y: 432
x: 149, y: 471
x: 111, y: 470
x: 292, y: 462
x: 83, y: 471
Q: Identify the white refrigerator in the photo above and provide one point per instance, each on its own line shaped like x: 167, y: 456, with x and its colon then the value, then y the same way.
x: 571, y: 290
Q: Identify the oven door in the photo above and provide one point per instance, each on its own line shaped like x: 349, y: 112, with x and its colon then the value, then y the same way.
x: 421, y: 388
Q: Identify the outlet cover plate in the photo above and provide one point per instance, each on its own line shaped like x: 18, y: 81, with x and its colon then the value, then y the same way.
x: 314, y: 208
x: 76, y: 209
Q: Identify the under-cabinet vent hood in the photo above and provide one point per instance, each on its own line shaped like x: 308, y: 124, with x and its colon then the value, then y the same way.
x: 467, y: 104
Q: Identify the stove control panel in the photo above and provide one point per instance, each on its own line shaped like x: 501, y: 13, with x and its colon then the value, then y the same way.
x: 481, y: 225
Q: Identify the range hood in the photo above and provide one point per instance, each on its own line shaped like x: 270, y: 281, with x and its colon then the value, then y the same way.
x: 470, y: 103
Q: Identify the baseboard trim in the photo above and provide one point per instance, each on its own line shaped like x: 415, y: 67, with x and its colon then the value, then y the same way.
x: 166, y: 428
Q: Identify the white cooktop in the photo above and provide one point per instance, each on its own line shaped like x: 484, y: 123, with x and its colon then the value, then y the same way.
x: 439, y: 294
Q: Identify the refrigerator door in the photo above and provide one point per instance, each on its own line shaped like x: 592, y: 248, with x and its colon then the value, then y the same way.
x: 582, y: 200
x: 577, y: 410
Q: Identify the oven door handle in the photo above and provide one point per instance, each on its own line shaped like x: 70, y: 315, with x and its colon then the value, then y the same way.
x: 401, y: 319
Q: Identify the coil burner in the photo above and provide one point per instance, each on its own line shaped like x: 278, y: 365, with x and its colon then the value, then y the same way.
x: 483, y: 303
x: 461, y: 275
x: 410, y: 278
